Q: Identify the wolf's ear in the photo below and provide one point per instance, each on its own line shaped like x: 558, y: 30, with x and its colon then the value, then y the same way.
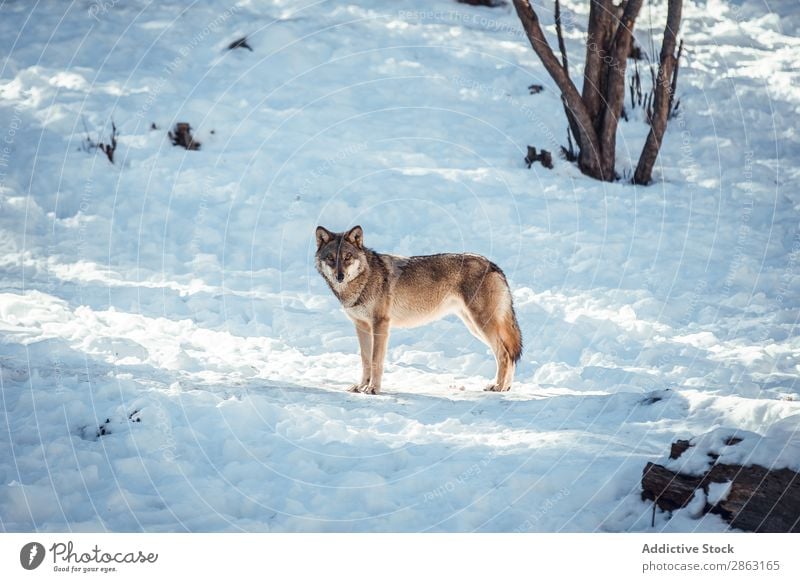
x: 355, y: 236
x: 323, y: 236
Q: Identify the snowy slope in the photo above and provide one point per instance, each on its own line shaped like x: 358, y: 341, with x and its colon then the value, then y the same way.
x: 171, y: 361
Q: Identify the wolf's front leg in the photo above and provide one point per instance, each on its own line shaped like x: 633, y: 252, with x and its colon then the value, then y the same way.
x: 364, y: 332
x: 380, y: 339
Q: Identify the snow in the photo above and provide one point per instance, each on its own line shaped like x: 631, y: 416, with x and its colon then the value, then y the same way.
x: 718, y: 492
x: 171, y: 361
x: 740, y: 447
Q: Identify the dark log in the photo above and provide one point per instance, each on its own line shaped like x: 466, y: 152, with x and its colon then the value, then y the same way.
x: 678, y: 448
x: 759, y: 499
x: 669, y: 490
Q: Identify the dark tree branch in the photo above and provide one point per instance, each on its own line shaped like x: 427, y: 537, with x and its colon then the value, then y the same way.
x: 663, y: 92
x: 560, y: 34
x: 589, y: 160
x: 674, y: 85
x: 572, y: 128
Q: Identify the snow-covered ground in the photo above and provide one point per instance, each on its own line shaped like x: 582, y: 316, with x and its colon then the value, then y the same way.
x: 171, y: 361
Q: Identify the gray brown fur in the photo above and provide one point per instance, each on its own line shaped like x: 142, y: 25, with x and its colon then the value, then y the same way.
x: 379, y: 291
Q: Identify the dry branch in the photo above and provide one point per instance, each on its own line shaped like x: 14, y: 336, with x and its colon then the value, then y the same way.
x: 571, y: 127
x: 589, y: 160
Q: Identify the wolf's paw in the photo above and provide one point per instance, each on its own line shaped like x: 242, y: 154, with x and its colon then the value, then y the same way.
x: 496, y: 388
x: 356, y: 388
x: 371, y: 390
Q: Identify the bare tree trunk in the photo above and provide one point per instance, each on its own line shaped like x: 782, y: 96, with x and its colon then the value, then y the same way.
x: 594, y: 71
x: 615, y: 87
x: 662, y: 90
x: 589, y: 158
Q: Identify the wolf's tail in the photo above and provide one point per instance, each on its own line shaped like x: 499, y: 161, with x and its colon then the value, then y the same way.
x: 510, y: 334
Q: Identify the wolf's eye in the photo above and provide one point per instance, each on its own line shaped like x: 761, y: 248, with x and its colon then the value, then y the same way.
x: 329, y: 259
x: 348, y: 256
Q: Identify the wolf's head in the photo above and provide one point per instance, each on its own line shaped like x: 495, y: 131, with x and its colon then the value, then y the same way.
x: 340, y: 255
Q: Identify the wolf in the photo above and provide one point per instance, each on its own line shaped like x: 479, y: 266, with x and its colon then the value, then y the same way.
x: 379, y: 291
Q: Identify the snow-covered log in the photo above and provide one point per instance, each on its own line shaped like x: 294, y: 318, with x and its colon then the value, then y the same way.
x: 762, y: 496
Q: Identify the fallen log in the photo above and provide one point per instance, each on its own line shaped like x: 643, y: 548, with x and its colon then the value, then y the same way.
x: 757, y: 499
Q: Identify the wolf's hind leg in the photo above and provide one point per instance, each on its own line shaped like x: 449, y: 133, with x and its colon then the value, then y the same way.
x: 488, y: 334
x: 489, y: 315
x: 505, y: 366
